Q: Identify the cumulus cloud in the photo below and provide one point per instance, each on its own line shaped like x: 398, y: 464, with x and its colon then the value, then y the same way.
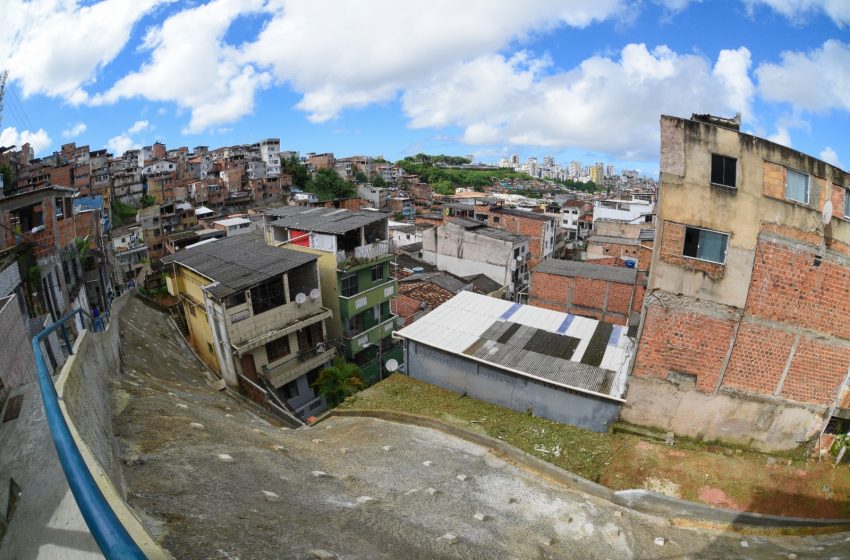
x: 38, y: 140
x: 818, y: 80
x: 781, y: 136
x: 675, y: 6
x: 55, y: 47
x: 799, y: 10
x: 121, y: 143
x: 604, y: 104
x: 203, y: 74
x: 139, y: 126
x: 828, y: 155
x: 74, y: 131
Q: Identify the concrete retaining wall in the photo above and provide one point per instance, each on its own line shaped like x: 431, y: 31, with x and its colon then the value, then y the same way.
x: 509, y: 389
x: 639, y: 500
x: 18, y: 363
x: 755, y: 422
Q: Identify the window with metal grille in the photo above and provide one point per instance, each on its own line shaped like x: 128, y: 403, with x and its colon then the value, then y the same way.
x: 348, y: 285
x: 723, y: 170
x: 267, y: 295
x: 377, y: 273
x: 277, y: 348
x: 302, y: 280
x: 235, y: 299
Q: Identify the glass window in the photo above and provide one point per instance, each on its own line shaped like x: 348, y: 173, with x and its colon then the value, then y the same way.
x: 706, y: 245
x: 267, y: 295
x: 847, y: 204
x: 277, y: 348
x: 235, y: 299
x: 723, y: 170
x: 348, y: 285
x: 377, y: 273
x: 797, y: 186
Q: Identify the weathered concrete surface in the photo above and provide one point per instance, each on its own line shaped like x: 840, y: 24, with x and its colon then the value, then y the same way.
x: 285, y: 493
x: 46, y: 523
x: 754, y: 422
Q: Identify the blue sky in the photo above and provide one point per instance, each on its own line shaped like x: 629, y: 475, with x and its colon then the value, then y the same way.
x: 580, y: 79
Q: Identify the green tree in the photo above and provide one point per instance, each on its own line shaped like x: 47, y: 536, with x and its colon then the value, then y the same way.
x: 8, y: 178
x: 443, y: 187
x: 360, y: 177
x: 296, y: 170
x: 339, y: 381
x: 329, y: 185
x: 379, y: 182
x: 147, y: 200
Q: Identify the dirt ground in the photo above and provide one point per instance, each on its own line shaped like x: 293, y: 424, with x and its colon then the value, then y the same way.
x: 715, y: 475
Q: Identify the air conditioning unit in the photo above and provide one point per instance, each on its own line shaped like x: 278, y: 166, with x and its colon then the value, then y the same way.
x: 320, y: 348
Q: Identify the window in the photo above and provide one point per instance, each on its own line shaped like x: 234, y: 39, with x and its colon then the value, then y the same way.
x: 290, y: 390
x: 302, y: 280
x: 377, y: 273
x: 267, y: 295
x: 496, y: 219
x: 277, y: 348
x: 385, y: 308
x: 723, y: 170
x: 705, y: 245
x: 847, y: 204
x: 797, y: 186
x: 59, y: 203
x: 235, y: 299
x: 348, y: 284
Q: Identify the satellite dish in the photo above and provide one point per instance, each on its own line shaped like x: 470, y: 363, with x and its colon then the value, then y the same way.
x: 314, y: 294
x: 826, y: 215
x: 300, y: 298
x: 392, y: 364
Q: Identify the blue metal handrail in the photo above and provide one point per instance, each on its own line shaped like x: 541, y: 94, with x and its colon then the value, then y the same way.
x: 111, y: 536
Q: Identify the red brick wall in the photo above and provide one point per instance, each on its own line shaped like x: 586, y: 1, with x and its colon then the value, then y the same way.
x: 685, y: 342
x: 672, y: 245
x: 581, y: 296
x: 816, y: 372
x: 838, y: 194
x: 774, y: 180
x: 534, y: 229
x: 758, y: 359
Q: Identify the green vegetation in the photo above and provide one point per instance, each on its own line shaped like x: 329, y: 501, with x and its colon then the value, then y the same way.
x: 379, y: 182
x: 122, y: 213
x: 147, y: 200
x: 329, y: 185
x: 297, y: 170
x: 360, y: 177
x: 590, y: 186
x: 426, y: 167
x: 574, y: 449
x: 8, y: 178
x: 339, y: 381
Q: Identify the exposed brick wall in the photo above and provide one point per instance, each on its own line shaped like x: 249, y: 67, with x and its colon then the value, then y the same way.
x: 838, y: 194
x: 589, y: 293
x: 683, y: 340
x: 774, y: 180
x: 816, y: 372
x: 758, y: 359
x: 581, y: 296
x: 533, y: 228
x: 788, y: 288
x: 672, y: 245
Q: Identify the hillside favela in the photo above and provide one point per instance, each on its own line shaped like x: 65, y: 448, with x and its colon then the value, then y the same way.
x: 306, y: 279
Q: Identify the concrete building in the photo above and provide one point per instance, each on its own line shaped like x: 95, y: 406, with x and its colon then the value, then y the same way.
x: 562, y: 367
x: 631, y: 211
x: 270, y: 154
x: 539, y: 228
x: 355, y: 259
x: 746, y: 325
x: 254, y: 314
x: 233, y: 226
x: 372, y: 197
x: 467, y: 247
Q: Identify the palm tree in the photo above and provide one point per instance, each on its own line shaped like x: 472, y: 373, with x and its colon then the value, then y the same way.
x: 338, y: 381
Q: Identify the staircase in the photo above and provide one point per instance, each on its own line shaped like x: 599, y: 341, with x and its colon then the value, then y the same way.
x: 180, y: 321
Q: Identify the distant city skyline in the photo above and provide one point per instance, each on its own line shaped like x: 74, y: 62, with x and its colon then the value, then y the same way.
x: 585, y: 83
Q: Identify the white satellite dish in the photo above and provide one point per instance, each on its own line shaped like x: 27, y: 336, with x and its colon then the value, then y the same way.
x: 826, y: 215
x: 314, y: 294
x: 392, y: 364
x: 300, y: 298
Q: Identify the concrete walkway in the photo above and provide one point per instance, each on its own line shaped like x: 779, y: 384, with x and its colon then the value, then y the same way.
x: 46, y: 523
x: 218, y: 479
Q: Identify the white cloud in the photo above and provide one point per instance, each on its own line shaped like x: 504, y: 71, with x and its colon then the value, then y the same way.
x: 138, y: 126
x: 781, y: 136
x: 74, y: 131
x: 55, y: 47
x: 828, y: 155
x: 604, y: 105
x: 798, y: 11
x: 369, y: 51
x: 676, y: 6
x: 38, y: 140
x: 121, y: 143
x: 190, y: 65
x: 815, y: 81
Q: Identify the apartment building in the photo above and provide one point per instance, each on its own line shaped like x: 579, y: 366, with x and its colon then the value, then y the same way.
x: 254, y: 314
x: 745, y: 333
x: 354, y: 255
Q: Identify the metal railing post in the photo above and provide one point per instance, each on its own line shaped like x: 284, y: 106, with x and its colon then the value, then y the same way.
x: 111, y: 536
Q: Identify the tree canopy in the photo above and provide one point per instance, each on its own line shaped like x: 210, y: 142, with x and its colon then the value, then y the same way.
x: 296, y: 170
x: 329, y: 185
x: 338, y: 381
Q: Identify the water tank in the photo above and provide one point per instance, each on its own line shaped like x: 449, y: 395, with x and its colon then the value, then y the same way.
x: 630, y: 263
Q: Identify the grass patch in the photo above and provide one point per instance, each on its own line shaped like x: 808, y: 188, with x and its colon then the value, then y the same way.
x: 579, y: 451
x: 122, y: 213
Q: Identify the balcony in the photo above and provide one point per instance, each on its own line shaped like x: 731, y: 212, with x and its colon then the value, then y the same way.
x: 298, y: 364
x: 359, y: 342
x: 350, y: 306
x: 364, y: 254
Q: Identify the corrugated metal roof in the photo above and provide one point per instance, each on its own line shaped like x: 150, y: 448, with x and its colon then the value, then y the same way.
x: 516, y: 336
x: 613, y: 239
x: 238, y: 262
x: 578, y: 269
x: 324, y: 220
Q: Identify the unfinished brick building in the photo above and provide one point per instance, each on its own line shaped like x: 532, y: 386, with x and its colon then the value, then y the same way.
x: 745, y: 334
